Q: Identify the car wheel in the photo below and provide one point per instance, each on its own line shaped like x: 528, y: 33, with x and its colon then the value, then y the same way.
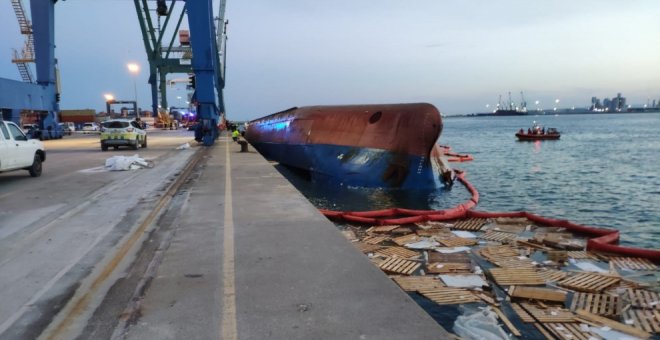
x: 144, y: 145
x: 136, y: 145
x: 35, y: 169
x: 104, y: 147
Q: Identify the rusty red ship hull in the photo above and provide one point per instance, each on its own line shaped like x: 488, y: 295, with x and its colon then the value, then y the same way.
x: 385, y: 145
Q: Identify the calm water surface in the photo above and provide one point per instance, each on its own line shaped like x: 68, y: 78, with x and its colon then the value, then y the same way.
x: 605, y: 171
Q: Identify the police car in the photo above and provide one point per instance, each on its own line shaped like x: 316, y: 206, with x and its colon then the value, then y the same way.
x: 122, y: 132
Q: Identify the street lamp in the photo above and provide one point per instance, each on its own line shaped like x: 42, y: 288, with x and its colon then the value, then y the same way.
x: 109, y: 97
x: 135, y: 69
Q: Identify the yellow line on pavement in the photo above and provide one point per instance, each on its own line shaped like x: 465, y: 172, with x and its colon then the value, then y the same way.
x: 79, y: 305
x: 228, y: 328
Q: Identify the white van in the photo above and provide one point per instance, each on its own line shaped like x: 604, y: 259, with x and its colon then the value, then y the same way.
x: 68, y: 128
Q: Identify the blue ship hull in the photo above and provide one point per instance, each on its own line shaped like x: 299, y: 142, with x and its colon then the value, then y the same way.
x: 355, y: 167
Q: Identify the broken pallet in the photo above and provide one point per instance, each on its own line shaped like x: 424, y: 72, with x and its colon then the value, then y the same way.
x: 600, y: 304
x: 449, y: 295
x: 516, y: 276
x: 415, y: 283
x: 472, y: 224
x: 588, y: 282
x: 399, y: 266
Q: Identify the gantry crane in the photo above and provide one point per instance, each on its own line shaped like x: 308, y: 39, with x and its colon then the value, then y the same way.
x: 203, y: 56
x: 206, y: 41
x: 42, y: 93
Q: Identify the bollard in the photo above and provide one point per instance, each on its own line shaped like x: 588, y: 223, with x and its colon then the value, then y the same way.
x: 244, y: 145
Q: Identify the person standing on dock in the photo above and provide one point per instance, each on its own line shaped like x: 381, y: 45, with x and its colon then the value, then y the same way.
x: 234, y: 135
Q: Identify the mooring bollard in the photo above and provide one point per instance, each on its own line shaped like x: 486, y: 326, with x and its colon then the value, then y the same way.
x: 244, y: 145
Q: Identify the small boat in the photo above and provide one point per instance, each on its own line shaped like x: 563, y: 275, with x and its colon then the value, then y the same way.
x: 537, y: 132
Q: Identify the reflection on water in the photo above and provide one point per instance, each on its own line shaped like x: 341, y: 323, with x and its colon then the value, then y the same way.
x: 603, y: 172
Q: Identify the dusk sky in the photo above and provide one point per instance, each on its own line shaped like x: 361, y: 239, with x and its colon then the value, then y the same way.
x: 457, y: 55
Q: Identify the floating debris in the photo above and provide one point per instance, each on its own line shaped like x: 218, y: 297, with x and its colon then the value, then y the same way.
x: 526, y: 272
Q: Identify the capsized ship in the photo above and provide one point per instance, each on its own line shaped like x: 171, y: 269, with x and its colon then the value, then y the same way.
x: 389, y: 145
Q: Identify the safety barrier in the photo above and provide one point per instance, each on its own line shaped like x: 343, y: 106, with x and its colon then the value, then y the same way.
x: 453, y: 156
x: 604, y: 240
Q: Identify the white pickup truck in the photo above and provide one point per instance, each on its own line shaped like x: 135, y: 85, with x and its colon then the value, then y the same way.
x: 18, y: 152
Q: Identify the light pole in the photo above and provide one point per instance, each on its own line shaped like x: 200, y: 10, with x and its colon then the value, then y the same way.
x: 134, y: 68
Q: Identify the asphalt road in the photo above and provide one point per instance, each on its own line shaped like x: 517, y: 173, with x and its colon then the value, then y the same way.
x: 58, y: 230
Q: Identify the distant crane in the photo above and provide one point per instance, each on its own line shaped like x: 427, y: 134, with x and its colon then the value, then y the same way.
x: 40, y: 93
x: 523, y: 103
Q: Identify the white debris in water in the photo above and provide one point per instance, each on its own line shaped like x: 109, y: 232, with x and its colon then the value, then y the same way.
x: 463, y: 233
x: 463, y: 281
x: 588, y: 266
x: 449, y: 250
x: 423, y: 244
x: 121, y: 163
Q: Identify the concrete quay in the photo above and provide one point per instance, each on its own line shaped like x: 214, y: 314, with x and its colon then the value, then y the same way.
x: 248, y: 257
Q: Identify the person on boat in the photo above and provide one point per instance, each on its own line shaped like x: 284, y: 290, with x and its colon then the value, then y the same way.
x: 543, y: 131
x: 521, y: 131
x: 529, y: 131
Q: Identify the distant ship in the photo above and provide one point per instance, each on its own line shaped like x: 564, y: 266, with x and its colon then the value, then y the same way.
x: 508, y: 109
x: 509, y: 112
x: 388, y: 145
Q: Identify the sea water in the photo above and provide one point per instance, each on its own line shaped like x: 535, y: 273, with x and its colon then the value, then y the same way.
x: 603, y: 172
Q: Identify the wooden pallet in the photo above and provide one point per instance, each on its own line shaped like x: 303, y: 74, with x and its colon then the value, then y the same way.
x: 588, y: 282
x: 641, y: 298
x: 505, y: 256
x: 400, y: 252
x: 403, y: 240
x: 415, y: 283
x: 435, y: 233
x: 382, y: 229
x: 498, y: 253
x: 551, y: 275
x: 449, y: 258
x: 472, y: 224
x: 644, y: 319
x: 600, y: 304
x: 580, y: 254
x: 633, y: 263
x: 457, y: 241
x: 449, y: 295
x: 396, y: 265
x: 375, y: 239
x: 537, y: 293
x: 449, y: 268
x: 565, y: 331
x: 366, y: 247
x: 498, y: 236
x: 516, y: 276
x: 533, y: 313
